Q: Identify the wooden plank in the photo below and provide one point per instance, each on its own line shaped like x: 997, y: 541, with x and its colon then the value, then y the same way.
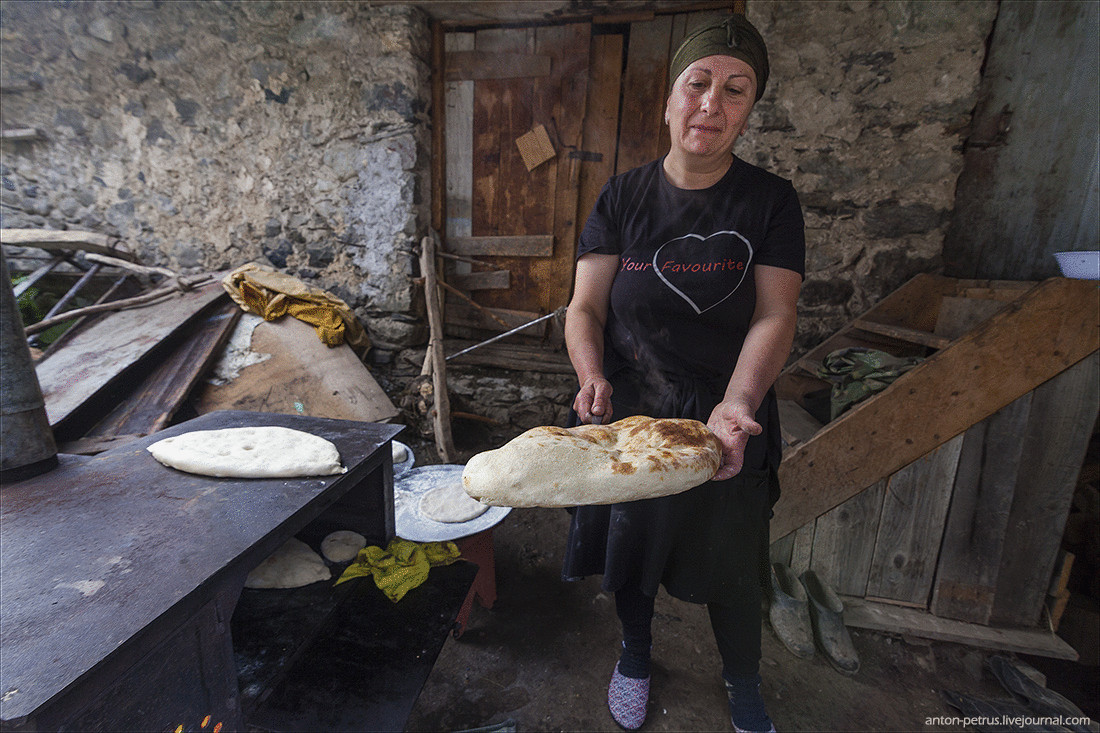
x: 959, y: 315
x: 1060, y: 425
x: 802, y: 549
x: 301, y: 376
x: 459, y: 144
x: 966, y: 574
x: 646, y: 76
x: 863, y: 614
x: 79, y: 380
x: 153, y: 403
x: 957, y: 387
x: 507, y: 356
x: 911, y: 335
x: 911, y: 526
x: 601, y: 129
x: 780, y: 551
x: 571, y: 45
x: 797, y: 425
x: 844, y: 541
x: 496, y: 280
x: 474, y: 65
x: 541, y: 245
x: 66, y: 240
x: 21, y: 134
x: 462, y: 314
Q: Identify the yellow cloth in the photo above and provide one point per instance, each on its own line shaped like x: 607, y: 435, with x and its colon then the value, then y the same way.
x: 272, y: 294
x: 402, y: 566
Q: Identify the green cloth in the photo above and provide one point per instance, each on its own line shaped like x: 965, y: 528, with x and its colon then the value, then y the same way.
x: 402, y: 566
x: 857, y: 373
x: 735, y: 36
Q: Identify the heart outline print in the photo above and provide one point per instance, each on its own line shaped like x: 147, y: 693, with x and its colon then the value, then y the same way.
x: 702, y: 240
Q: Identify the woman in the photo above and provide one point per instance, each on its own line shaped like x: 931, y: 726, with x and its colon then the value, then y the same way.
x: 684, y: 305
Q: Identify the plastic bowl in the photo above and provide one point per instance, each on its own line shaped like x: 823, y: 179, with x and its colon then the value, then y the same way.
x: 1080, y: 265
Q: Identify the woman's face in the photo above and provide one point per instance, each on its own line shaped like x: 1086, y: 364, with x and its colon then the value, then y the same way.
x: 709, y: 105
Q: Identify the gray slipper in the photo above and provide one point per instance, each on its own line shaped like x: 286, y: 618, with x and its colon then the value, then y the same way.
x: 832, y: 636
x: 789, y: 612
x: 1040, y: 700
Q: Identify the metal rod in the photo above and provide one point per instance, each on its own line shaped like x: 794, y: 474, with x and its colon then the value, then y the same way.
x: 64, y: 301
x: 499, y: 336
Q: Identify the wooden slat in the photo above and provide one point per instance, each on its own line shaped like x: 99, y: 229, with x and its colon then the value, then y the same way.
x: 459, y: 144
x: 844, y: 541
x: 959, y: 386
x: 802, y: 549
x: 911, y: 526
x: 462, y: 314
x: 864, y: 614
x: 646, y: 77
x: 505, y: 355
x: 67, y: 240
x: 152, y: 404
x: 1060, y: 424
x: 21, y: 134
x: 601, y: 121
x: 910, y: 335
x: 571, y: 45
x: 966, y: 575
x: 79, y: 380
x: 797, y: 425
x: 496, y: 280
x: 474, y: 65
x: 959, y: 315
x: 541, y: 245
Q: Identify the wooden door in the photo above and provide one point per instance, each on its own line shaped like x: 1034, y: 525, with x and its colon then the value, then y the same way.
x: 598, y: 90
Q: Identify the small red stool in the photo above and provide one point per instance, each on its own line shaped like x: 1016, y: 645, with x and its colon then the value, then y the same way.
x: 478, y: 549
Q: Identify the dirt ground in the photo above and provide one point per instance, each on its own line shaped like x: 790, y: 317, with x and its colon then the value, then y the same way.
x: 540, y: 660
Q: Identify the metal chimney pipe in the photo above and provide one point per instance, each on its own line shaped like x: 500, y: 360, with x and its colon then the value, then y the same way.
x: 27, y: 446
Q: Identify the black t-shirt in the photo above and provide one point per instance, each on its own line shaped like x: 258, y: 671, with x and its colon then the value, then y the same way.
x: 684, y: 294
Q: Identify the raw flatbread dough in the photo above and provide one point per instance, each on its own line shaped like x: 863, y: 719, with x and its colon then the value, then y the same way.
x: 291, y: 566
x: 400, y: 452
x: 450, y: 504
x: 265, y: 451
x: 634, y: 458
x: 342, y: 545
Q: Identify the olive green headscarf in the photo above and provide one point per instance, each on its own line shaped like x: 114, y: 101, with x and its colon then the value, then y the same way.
x: 735, y: 36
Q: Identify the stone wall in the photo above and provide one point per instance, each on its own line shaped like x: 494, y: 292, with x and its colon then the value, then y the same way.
x: 211, y: 134
x: 866, y: 111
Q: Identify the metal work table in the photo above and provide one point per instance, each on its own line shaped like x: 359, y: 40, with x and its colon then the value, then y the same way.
x: 119, y: 576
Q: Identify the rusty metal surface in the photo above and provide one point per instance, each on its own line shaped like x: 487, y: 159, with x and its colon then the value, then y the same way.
x: 95, y: 551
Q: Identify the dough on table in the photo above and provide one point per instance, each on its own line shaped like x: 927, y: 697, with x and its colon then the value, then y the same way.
x: 450, y: 504
x: 400, y: 452
x: 634, y: 458
x: 342, y: 545
x: 291, y: 566
x: 265, y: 451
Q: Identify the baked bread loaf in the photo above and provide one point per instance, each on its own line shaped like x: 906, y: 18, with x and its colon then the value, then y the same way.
x: 634, y: 458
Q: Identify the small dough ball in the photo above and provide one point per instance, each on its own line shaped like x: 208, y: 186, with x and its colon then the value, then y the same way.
x: 400, y: 452
x: 342, y: 546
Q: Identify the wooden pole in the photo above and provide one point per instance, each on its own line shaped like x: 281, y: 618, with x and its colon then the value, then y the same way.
x: 441, y: 415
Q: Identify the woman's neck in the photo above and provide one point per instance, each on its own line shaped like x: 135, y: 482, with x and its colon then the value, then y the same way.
x: 695, y: 173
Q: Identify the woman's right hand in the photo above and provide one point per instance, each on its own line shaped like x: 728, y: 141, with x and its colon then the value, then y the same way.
x: 593, y: 401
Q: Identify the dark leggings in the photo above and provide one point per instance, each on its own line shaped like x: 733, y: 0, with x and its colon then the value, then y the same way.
x: 736, y: 628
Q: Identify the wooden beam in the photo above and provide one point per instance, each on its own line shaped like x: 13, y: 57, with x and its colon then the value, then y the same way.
x: 1034, y: 338
x: 539, y: 245
x: 496, y: 280
x: 474, y: 65
x: 67, y: 240
x: 910, y: 335
x: 864, y: 614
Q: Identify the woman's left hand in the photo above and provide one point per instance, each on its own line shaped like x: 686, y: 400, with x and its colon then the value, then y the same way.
x: 732, y: 422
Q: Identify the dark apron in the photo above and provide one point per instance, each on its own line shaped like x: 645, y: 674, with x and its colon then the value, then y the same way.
x: 704, y: 544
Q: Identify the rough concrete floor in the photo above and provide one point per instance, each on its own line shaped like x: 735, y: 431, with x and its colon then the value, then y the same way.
x: 542, y: 656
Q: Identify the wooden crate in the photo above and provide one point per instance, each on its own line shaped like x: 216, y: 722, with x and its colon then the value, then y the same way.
x: 949, y: 490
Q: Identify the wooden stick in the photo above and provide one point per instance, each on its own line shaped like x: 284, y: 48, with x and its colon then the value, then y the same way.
x: 483, y: 309
x: 469, y: 260
x: 442, y: 412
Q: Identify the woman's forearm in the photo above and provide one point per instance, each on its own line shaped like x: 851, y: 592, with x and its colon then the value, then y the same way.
x: 584, y: 341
